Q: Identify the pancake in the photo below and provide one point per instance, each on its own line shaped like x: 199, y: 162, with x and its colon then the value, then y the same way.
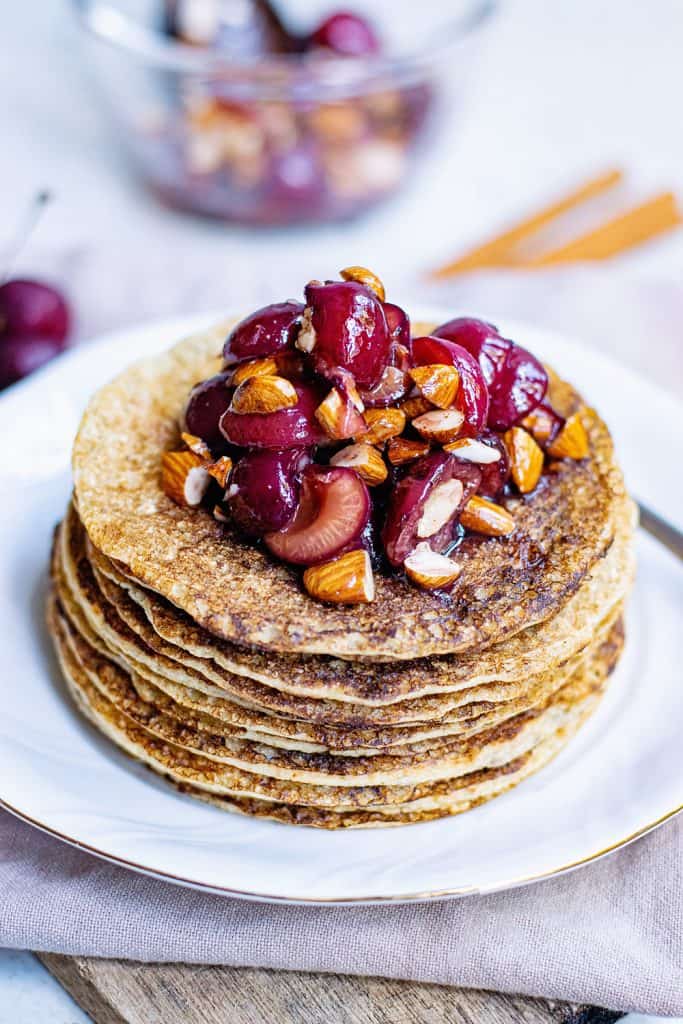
x: 507, y: 584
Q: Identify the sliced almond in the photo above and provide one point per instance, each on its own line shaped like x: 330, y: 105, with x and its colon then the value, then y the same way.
x: 439, y: 507
x: 364, y: 276
x: 473, y: 451
x: 486, y: 517
x: 264, y: 395
x: 383, y: 424
x: 184, y: 477
x: 338, y: 417
x: 366, y: 461
x: 526, y: 458
x: 440, y: 425
x: 196, y: 445
x: 415, y: 406
x: 346, y: 579
x: 429, y: 569
x: 254, y: 368
x: 437, y: 382
x: 400, y: 450
x: 220, y: 470
x: 571, y: 442
x: 306, y: 338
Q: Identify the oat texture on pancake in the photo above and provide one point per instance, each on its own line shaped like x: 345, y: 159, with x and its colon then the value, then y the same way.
x: 334, y: 569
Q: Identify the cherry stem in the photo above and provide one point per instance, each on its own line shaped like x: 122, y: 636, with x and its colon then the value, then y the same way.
x: 26, y: 227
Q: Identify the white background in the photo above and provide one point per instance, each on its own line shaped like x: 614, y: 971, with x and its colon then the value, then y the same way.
x: 562, y: 90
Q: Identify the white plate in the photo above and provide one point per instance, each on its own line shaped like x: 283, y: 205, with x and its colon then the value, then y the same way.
x: 619, y: 778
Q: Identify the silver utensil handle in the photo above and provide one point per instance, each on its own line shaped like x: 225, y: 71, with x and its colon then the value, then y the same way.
x: 665, y: 533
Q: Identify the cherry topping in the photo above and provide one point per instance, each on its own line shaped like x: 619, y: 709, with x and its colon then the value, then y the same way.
x: 494, y: 475
x: 346, y: 34
x: 398, y: 323
x: 333, y: 512
x: 264, y: 489
x: 206, y: 404
x: 31, y: 309
x: 472, y: 398
x: 350, y: 330
x: 21, y: 356
x: 287, y: 428
x: 481, y: 340
x: 518, y: 388
x: 426, y: 503
x: 265, y: 332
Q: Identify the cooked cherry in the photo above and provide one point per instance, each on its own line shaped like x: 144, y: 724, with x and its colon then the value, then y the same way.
x: 346, y: 34
x: 264, y: 489
x: 31, y: 309
x: 398, y: 323
x: 472, y: 398
x: 266, y: 331
x: 206, y: 404
x: 426, y: 503
x: 288, y: 428
x: 494, y: 475
x: 518, y: 388
x: 21, y: 356
x: 481, y: 340
x: 333, y: 512
x: 350, y: 330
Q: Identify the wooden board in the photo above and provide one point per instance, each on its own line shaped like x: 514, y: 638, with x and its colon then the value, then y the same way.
x: 122, y: 992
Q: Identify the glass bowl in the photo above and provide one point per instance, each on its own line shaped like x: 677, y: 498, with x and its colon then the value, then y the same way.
x: 278, y: 139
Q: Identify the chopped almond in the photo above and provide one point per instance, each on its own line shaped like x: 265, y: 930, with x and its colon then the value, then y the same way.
x: 366, y: 461
x: 526, y: 458
x: 438, y: 383
x: 220, y: 470
x: 440, y: 425
x: 400, y: 450
x: 572, y: 440
x: 306, y: 338
x: 264, y: 395
x: 486, y: 517
x: 430, y: 570
x: 184, y: 477
x: 383, y: 424
x: 542, y: 423
x: 255, y: 368
x: 196, y: 445
x: 338, y: 417
x: 346, y: 579
x: 473, y: 451
x: 364, y: 276
x: 439, y: 507
x: 219, y: 514
x: 415, y: 406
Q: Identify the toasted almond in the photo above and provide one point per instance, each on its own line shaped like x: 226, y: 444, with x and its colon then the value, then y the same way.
x: 429, y: 569
x: 400, y: 450
x: 571, y: 442
x: 415, y: 406
x: 346, y: 579
x: 383, y: 424
x: 484, y: 516
x: 338, y: 417
x: 254, y: 368
x: 197, y: 445
x: 541, y: 424
x: 219, y: 514
x: 220, y: 470
x: 366, y: 461
x: 263, y: 395
x: 184, y: 477
x: 437, y: 383
x: 439, y: 507
x: 364, y: 276
x: 440, y: 425
x: 306, y: 337
x: 526, y: 458
x: 473, y: 451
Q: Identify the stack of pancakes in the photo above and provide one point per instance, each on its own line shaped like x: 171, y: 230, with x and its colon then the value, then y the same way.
x: 203, y: 658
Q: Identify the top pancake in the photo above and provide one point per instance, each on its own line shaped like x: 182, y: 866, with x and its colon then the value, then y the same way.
x: 238, y: 592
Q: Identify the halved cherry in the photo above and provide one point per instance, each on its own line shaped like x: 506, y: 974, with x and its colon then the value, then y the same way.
x: 398, y: 323
x: 426, y: 503
x: 333, y: 512
x: 264, y: 332
x: 472, y: 398
x: 481, y: 339
x: 519, y: 387
x: 264, y: 489
x: 205, y: 406
x: 351, y: 330
x: 295, y: 427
